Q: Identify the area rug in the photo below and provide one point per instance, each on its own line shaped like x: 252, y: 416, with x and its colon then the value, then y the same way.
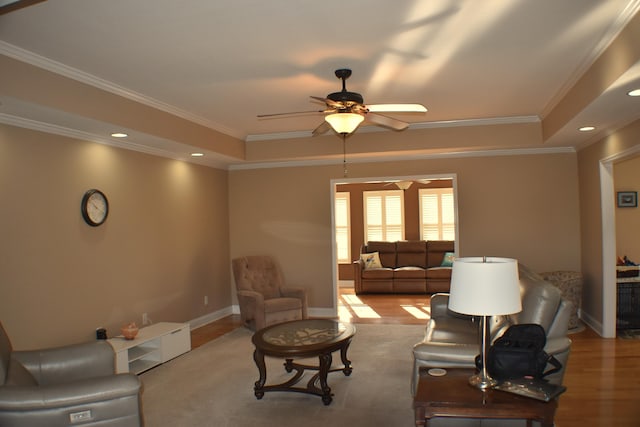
x: 629, y: 334
x: 213, y: 385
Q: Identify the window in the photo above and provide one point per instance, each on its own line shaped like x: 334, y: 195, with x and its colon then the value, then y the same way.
x: 437, y: 217
x: 384, y: 215
x: 343, y: 231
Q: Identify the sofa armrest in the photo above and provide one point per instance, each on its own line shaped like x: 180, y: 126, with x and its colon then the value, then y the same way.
x: 250, y: 302
x: 439, y: 305
x: 40, y: 397
x: 68, y: 363
x: 358, y: 267
x: 295, y: 292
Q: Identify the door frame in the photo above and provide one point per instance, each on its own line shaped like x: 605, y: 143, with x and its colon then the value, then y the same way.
x: 337, y: 181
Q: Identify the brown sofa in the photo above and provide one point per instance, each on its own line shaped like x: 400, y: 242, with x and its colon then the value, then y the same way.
x: 408, y: 266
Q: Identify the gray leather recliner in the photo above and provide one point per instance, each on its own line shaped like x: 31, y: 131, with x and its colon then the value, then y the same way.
x: 66, y: 386
x: 452, y: 340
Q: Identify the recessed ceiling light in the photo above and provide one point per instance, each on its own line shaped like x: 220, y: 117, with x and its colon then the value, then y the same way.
x: 635, y: 92
x: 587, y: 128
x: 197, y: 154
x: 119, y: 135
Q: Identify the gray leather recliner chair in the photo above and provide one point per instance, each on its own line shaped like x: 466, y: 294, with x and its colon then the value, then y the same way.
x: 452, y: 340
x: 66, y: 386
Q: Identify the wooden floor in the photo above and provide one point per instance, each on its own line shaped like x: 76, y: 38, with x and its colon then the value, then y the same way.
x: 602, y: 377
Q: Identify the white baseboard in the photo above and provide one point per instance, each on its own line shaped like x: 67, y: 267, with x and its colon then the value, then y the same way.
x: 235, y: 309
x: 210, y: 317
x: 592, y: 322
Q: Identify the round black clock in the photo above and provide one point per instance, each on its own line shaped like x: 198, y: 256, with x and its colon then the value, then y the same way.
x: 95, y: 207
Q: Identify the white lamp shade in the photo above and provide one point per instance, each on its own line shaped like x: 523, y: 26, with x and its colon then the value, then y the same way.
x: 344, y: 122
x: 485, y: 286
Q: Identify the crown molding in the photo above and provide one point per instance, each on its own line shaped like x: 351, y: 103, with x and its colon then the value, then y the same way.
x: 39, y: 61
x: 124, y: 144
x: 610, y: 35
x: 407, y: 157
x: 414, y: 126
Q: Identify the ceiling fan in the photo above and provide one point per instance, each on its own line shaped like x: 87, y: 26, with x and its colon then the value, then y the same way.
x: 346, y: 110
x: 405, y: 184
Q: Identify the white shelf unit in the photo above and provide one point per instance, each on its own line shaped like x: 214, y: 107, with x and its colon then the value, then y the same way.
x: 152, y: 346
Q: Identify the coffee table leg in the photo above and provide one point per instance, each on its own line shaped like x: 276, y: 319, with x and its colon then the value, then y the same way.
x: 346, y: 362
x: 258, y: 388
x: 325, y: 365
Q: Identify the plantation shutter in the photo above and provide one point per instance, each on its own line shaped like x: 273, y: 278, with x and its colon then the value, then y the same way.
x: 384, y: 215
x: 343, y: 234
x: 437, y: 216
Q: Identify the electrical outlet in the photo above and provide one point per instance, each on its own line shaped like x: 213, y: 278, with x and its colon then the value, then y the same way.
x: 206, y: 300
x: 145, y: 319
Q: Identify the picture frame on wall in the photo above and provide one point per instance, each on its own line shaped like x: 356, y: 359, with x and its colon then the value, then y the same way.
x: 627, y: 199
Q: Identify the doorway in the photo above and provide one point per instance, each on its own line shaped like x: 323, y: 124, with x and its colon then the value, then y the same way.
x: 609, y: 247
x: 386, y: 182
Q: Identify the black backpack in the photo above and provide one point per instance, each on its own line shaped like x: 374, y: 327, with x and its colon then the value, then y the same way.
x: 519, y: 353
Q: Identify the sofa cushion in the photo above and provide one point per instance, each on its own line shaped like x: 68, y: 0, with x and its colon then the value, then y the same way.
x: 371, y: 260
x: 452, y: 330
x: 438, y: 273
x: 540, y: 299
x: 386, y: 251
x: 436, y: 249
x: 378, y: 273
x: 409, y: 273
x: 411, y: 253
x: 282, y: 304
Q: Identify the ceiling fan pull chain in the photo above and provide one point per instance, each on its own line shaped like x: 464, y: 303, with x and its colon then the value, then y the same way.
x: 344, y: 154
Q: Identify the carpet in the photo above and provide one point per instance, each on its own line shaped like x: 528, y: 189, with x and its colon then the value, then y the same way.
x: 629, y: 334
x: 213, y: 385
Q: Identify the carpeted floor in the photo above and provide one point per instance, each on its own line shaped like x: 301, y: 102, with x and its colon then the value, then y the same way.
x: 213, y: 385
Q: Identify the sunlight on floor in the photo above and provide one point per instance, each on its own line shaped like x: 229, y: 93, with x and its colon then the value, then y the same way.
x: 355, y: 305
x: 416, y: 312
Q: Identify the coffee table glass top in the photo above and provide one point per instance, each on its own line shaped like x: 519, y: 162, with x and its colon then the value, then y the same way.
x: 308, y: 332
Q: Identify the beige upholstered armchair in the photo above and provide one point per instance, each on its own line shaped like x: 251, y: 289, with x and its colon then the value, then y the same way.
x: 262, y: 295
x: 65, y: 386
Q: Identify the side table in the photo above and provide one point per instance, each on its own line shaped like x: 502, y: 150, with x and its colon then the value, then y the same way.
x: 451, y: 396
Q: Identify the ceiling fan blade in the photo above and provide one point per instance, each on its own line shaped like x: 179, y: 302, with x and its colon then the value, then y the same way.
x: 260, y: 116
x: 397, y: 108
x: 322, y: 128
x: 385, y: 121
x: 329, y: 102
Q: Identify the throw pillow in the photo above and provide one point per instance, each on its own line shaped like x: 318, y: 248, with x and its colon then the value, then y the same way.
x: 447, y: 261
x: 371, y: 260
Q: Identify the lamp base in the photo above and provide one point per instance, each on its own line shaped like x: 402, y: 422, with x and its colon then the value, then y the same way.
x: 482, y: 382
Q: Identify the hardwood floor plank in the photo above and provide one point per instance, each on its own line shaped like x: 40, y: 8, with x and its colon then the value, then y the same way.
x: 602, y: 376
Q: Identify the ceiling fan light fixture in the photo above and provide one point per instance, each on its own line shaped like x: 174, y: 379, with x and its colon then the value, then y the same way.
x: 404, y: 185
x: 344, y: 123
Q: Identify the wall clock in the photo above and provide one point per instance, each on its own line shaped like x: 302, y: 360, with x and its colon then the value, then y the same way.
x: 95, y: 207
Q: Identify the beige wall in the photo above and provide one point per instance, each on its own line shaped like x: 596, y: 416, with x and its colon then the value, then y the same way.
x: 523, y: 206
x: 627, y: 178
x: 163, y: 247
x: 589, y: 160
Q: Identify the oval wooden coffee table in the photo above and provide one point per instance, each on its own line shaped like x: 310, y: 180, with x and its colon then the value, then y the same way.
x: 303, y: 339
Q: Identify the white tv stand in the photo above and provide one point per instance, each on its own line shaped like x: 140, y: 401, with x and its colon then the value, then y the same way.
x: 154, y: 344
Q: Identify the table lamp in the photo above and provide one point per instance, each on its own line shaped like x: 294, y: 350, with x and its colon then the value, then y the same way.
x: 484, y: 286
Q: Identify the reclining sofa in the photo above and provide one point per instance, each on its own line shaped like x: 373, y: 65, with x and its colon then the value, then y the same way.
x: 452, y: 340
x: 62, y: 386
x: 408, y: 266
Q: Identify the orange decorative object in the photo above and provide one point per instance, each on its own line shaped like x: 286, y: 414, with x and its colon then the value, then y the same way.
x: 129, y: 331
